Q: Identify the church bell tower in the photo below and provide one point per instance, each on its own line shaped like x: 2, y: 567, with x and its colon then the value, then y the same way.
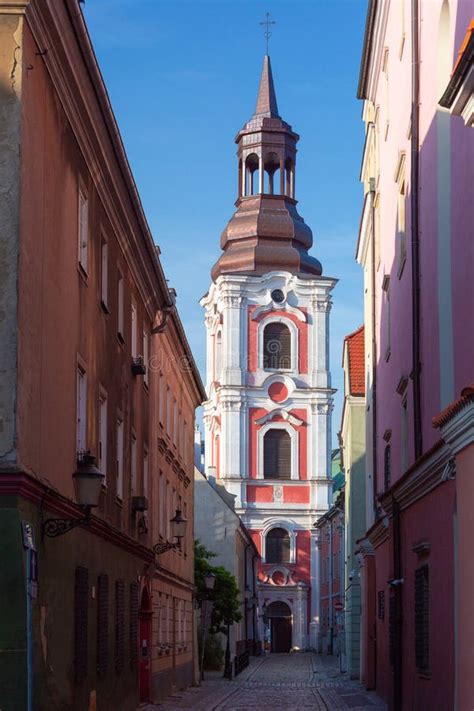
x: 268, y: 414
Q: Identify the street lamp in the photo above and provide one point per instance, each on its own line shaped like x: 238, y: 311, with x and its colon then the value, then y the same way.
x: 178, y: 531
x: 87, y: 486
x: 209, y: 580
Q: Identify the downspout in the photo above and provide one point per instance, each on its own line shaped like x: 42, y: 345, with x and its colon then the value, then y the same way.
x: 331, y: 601
x: 374, y: 349
x: 415, y: 156
x: 397, y: 585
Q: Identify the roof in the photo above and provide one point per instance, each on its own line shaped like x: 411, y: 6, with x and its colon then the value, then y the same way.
x: 462, y: 66
x: 356, y: 358
x: 266, y: 100
x: 467, y: 396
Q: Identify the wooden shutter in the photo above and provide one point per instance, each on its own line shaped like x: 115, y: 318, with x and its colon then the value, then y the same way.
x: 102, y: 624
x: 422, y: 639
x: 277, y: 455
x: 277, y: 347
x: 277, y: 546
x: 81, y: 598
x: 119, y: 625
x: 133, y: 624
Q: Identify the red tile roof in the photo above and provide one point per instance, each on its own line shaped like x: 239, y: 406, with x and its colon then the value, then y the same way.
x: 356, y: 356
x: 465, y: 42
x: 467, y: 396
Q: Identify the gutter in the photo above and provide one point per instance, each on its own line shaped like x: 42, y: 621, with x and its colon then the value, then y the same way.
x: 366, y: 53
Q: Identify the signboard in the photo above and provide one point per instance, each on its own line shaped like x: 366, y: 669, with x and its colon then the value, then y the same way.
x: 338, y: 607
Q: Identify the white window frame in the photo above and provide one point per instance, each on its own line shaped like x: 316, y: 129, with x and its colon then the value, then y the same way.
x: 146, y: 354
x: 133, y: 465
x: 120, y: 304
x: 103, y: 434
x: 294, y: 449
x: 83, y: 228
x: 289, y: 528
x: 294, y: 343
x: 81, y: 409
x: 146, y: 467
x: 120, y: 446
x: 104, y: 272
x: 134, y: 329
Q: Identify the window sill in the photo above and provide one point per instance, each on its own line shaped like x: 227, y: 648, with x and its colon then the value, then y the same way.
x: 104, y: 307
x: 120, y: 338
x: 401, y: 267
x: 388, y: 353
x: 119, y: 501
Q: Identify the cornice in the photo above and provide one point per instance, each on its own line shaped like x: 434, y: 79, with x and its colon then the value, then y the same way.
x: 378, y: 534
x: 458, y: 432
x: 13, y: 7
x: 25, y: 487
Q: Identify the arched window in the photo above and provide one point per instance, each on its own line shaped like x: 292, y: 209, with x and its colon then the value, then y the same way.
x: 277, y: 454
x: 252, y: 173
x: 272, y: 174
x: 277, y: 346
x: 277, y: 546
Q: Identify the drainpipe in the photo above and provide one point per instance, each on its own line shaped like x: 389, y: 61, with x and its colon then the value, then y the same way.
x: 415, y: 152
x: 397, y: 587
x: 331, y: 602
x: 374, y: 350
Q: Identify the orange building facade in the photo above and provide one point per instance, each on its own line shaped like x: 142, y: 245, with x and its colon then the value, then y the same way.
x: 94, y: 361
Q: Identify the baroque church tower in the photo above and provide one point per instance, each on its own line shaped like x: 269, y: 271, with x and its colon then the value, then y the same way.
x: 268, y: 416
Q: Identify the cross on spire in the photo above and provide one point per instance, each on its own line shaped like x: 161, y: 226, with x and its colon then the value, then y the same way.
x: 267, y: 34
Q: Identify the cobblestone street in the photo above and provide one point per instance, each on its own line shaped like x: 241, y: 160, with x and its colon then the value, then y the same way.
x: 279, y: 681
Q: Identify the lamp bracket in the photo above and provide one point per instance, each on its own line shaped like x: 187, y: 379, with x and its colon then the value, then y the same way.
x: 54, y: 527
x: 164, y: 546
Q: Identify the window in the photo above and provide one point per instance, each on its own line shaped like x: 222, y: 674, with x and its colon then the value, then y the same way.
x: 83, y: 236
x: 120, y: 458
x: 277, y: 546
x: 134, y: 336
x: 387, y: 466
x: 277, y: 346
x: 103, y: 435
x: 104, y: 273
x: 161, y: 503
x: 145, y: 355
x: 134, y: 589
x: 422, y: 620
x: 81, y: 408
x: 167, y: 510
x: 401, y: 231
x: 161, y: 396
x: 119, y: 625
x: 218, y: 367
x: 385, y: 318
x: 175, y: 422
x: 102, y: 624
x: 168, y: 410
x: 386, y: 91
x: 81, y: 601
x: 277, y: 454
x: 133, y: 465
x: 145, y: 472
x: 120, y: 304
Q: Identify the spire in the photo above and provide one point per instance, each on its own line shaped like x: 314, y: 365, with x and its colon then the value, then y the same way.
x: 266, y: 100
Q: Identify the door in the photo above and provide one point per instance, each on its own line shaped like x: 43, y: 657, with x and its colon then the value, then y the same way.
x: 281, y: 634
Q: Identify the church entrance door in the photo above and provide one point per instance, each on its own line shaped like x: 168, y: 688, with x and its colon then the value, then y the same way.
x: 279, y: 615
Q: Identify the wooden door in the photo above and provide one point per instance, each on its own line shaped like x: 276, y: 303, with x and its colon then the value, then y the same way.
x: 281, y: 634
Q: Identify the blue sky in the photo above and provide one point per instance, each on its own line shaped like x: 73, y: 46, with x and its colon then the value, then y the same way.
x: 183, y: 75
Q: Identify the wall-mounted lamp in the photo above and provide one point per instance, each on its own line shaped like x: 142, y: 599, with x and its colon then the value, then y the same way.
x: 178, y: 531
x: 87, y: 485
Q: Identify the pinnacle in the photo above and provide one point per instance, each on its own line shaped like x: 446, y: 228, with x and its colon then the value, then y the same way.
x: 266, y: 100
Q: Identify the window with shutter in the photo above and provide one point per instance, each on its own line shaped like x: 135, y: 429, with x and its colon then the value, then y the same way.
x: 277, y: 454
x: 133, y: 624
x: 102, y: 624
x: 81, y: 597
x: 277, y: 546
x: 119, y: 625
x: 422, y: 639
x: 277, y: 347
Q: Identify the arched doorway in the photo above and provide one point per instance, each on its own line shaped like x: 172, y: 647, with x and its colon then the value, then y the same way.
x: 144, y: 678
x: 279, y: 616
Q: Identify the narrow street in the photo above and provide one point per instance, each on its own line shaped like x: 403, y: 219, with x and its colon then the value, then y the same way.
x: 279, y: 681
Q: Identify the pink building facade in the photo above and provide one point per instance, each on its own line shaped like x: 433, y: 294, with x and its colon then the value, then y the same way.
x: 415, y: 247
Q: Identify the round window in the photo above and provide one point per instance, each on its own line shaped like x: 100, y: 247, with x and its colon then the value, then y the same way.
x: 278, y: 296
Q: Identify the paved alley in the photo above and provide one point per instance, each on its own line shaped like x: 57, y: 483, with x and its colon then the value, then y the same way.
x: 279, y: 681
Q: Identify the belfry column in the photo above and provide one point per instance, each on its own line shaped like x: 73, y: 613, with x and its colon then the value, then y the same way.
x: 231, y: 370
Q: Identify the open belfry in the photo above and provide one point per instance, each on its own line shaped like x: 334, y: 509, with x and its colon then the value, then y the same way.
x: 268, y: 414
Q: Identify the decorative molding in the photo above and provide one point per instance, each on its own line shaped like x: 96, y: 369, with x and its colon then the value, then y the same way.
x: 458, y: 431
x: 294, y: 447
x: 271, y: 306
x: 422, y: 548
x: 231, y: 301
x: 280, y: 412
x: 322, y: 305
